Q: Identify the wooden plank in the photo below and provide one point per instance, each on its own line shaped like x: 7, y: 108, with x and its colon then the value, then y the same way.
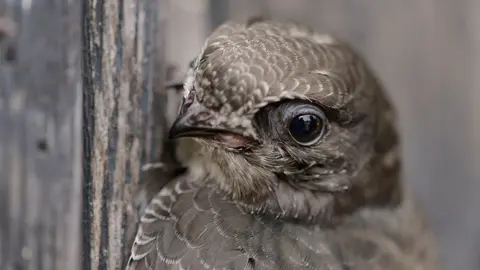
x: 40, y: 134
x: 123, y: 121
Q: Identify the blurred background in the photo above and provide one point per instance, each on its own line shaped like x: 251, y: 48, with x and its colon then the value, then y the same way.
x: 81, y: 83
x: 427, y: 53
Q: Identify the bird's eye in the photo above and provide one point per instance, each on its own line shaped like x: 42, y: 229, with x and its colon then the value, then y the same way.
x: 307, y: 129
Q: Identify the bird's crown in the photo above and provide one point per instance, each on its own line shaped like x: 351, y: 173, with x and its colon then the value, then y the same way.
x: 244, y: 67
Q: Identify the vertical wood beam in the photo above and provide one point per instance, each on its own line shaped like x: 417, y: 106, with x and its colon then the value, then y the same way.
x: 123, y: 125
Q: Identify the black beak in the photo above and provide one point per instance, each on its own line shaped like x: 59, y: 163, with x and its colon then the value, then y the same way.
x: 186, y: 124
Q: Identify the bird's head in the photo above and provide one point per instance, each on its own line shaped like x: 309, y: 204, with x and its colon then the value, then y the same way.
x: 290, y: 122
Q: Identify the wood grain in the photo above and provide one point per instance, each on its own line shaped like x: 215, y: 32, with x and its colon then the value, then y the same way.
x: 122, y: 124
x: 40, y: 134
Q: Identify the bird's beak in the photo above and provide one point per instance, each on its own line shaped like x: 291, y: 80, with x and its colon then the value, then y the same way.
x: 191, y: 123
x: 186, y: 123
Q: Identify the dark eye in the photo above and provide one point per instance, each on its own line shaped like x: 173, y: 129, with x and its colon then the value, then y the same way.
x: 307, y: 129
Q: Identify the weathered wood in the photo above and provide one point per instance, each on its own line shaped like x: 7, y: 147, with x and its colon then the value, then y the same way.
x: 124, y: 43
x: 40, y: 134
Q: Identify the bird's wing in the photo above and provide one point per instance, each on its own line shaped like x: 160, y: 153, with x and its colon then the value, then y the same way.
x: 186, y: 227
x: 195, y: 227
x: 179, y: 230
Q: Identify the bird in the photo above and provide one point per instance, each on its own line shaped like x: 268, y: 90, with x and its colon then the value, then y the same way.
x: 293, y: 161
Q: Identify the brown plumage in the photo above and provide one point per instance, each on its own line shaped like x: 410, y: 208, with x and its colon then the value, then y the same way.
x: 297, y: 165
